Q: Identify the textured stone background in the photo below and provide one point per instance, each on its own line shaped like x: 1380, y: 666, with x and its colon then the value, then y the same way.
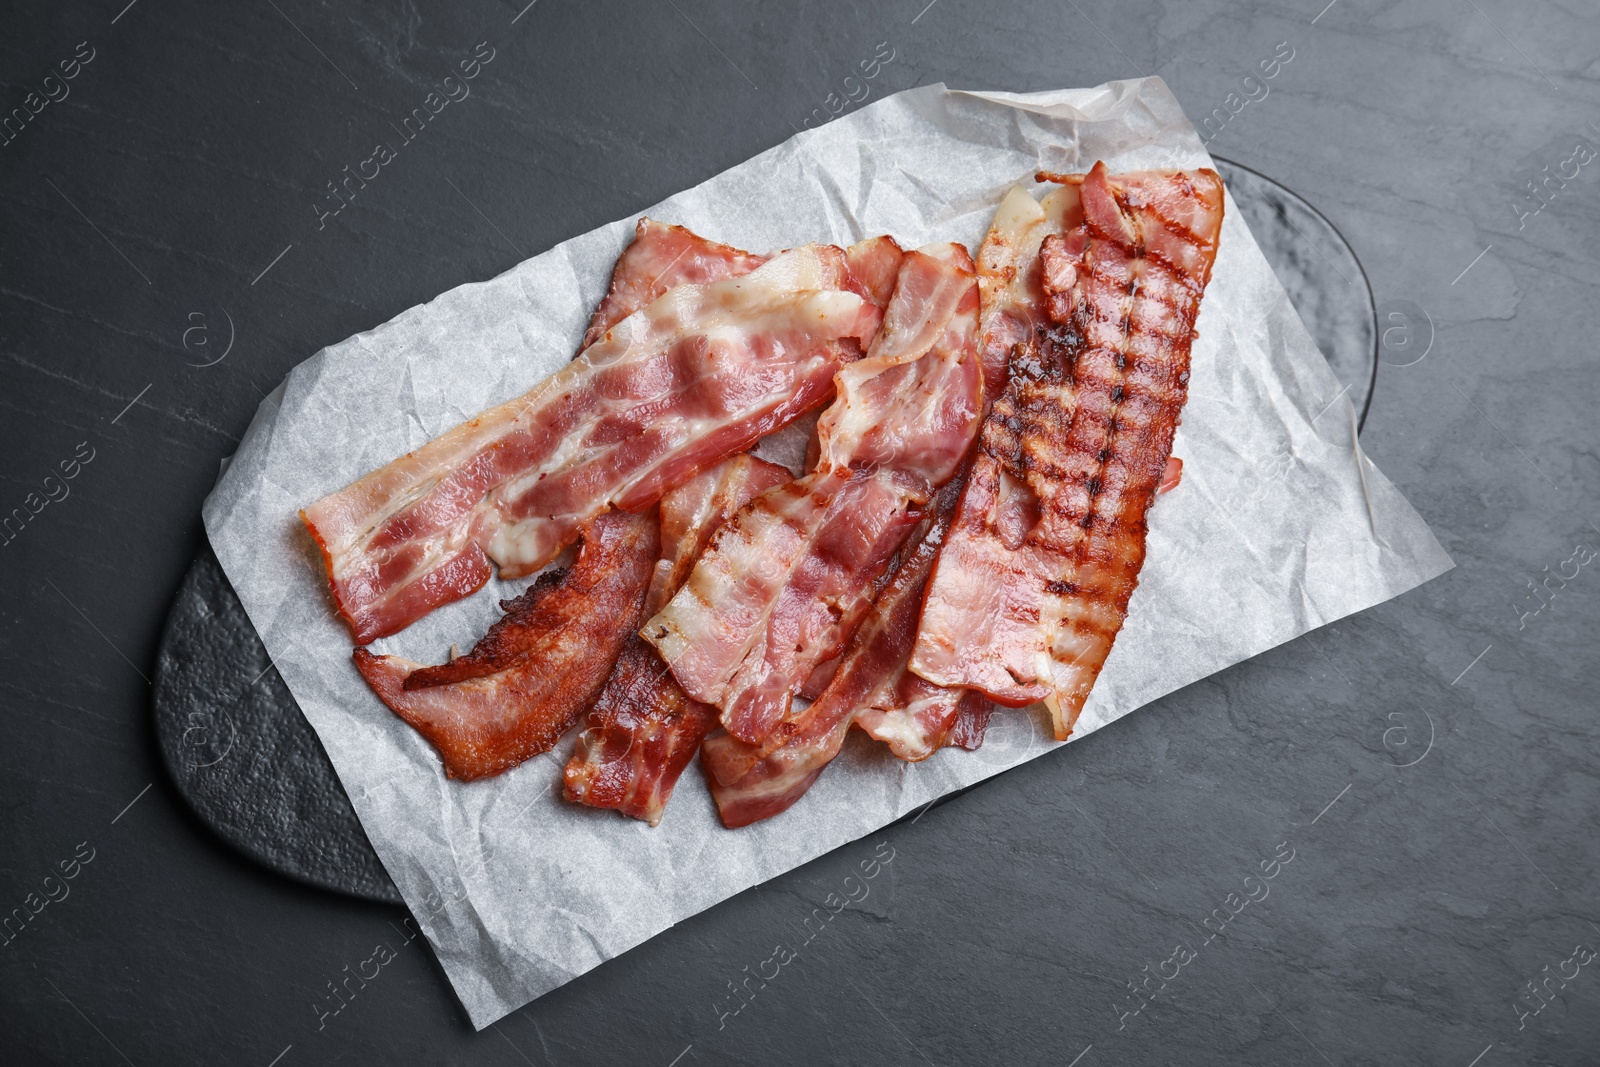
x: 1451, y: 731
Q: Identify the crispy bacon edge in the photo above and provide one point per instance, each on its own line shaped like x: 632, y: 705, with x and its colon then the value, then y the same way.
x: 643, y: 729
x: 535, y: 671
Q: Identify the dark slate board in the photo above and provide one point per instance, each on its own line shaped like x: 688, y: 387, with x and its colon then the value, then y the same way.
x: 252, y: 768
x: 241, y: 753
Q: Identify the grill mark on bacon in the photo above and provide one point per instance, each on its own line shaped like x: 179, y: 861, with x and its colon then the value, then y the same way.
x: 785, y: 583
x: 783, y: 586
x: 1081, y: 439
x: 538, y: 667
x: 643, y: 728
x: 869, y: 674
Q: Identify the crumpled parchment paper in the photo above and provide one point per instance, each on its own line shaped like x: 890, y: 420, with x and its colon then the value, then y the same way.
x: 1280, y: 525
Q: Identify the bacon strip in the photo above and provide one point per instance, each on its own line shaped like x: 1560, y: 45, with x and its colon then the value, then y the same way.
x: 756, y: 781
x: 774, y: 783
x: 660, y: 257
x: 692, y: 514
x: 637, y: 738
x: 913, y: 404
x: 530, y: 677
x: 781, y: 589
x: 972, y: 721
x: 875, y: 268
x: 787, y: 581
x: 643, y: 728
x: 874, y: 688
x: 1009, y: 274
x: 913, y: 716
x: 1033, y: 583
x: 700, y: 373
x: 871, y: 688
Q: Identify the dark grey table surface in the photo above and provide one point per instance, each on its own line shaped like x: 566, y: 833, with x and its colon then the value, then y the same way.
x: 1429, y: 764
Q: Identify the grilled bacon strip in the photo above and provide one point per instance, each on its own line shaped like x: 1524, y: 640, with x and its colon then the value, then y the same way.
x: 787, y: 581
x: 700, y: 373
x: 757, y: 781
x: 919, y: 717
x: 531, y: 676
x: 643, y: 728
x: 781, y: 589
x: 874, y: 689
x: 1033, y: 583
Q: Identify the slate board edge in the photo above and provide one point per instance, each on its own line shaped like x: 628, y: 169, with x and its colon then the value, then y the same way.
x: 1366, y: 282
x: 365, y: 879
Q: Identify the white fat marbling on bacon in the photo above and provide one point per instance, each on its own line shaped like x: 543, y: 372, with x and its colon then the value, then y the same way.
x: 787, y: 581
x: 660, y: 257
x: 700, y: 373
x: 782, y: 587
x: 643, y: 729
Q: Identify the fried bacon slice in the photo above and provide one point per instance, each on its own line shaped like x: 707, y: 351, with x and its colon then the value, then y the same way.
x: 772, y: 783
x: 692, y: 513
x: 643, y: 728
x: 781, y: 589
x: 1033, y: 583
x: 660, y: 257
x: 912, y: 715
x: 972, y: 721
x: 637, y: 738
x: 1009, y: 274
x: 875, y: 268
x: 873, y: 687
x: 531, y: 676
x: 700, y: 373
x: 756, y: 781
x: 785, y: 583
x: 913, y: 404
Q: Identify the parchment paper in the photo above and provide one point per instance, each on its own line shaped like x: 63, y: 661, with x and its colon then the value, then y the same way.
x: 1280, y: 525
